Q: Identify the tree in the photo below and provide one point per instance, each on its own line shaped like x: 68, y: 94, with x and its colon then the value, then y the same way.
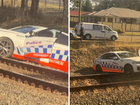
x: 22, y: 5
x: 65, y: 11
x: 2, y: 3
x: 34, y: 8
x: 131, y: 4
x: 87, y: 6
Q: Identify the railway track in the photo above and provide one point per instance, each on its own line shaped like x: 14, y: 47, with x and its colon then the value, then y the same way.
x: 99, y: 81
x: 35, y: 68
x: 54, y: 83
x: 34, y: 82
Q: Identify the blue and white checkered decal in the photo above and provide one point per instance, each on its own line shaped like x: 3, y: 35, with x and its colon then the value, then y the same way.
x: 60, y: 55
x: 33, y: 49
x: 108, y: 65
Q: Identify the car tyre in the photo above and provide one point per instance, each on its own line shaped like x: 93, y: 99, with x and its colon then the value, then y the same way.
x: 98, y: 68
x: 113, y: 38
x: 128, y: 69
x: 6, y: 47
x: 87, y: 37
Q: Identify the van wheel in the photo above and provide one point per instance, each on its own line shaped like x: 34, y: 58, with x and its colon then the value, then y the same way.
x: 113, y: 38
x: 87, y: 37
x: 128, y: 69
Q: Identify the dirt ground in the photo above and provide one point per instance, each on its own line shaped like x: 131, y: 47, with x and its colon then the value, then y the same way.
x: 15, y: 93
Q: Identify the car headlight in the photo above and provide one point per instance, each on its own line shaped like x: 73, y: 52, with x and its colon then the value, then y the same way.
x: 136, y: 62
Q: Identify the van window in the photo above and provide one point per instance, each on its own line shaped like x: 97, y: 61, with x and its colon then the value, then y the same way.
x: 97, y: 27
x: 107, y: 28
x: 62, y: 39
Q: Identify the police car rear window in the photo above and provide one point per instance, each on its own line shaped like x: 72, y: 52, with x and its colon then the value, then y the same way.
x: 24, y: 30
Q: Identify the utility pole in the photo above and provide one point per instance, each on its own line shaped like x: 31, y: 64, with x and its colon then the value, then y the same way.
x: 79, y: 11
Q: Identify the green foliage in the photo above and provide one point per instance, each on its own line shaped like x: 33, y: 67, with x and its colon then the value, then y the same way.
x: 121, y: 30
x: 87, y: 6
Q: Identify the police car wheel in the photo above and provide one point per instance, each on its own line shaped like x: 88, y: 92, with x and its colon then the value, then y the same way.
x: 128, y: 69
x: 113, y: 38
x: 98, y: 68
x: 87, y: 37
x: 6, y: 47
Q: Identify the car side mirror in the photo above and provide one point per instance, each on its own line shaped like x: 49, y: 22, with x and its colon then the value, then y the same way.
x: 115, y: 58
x: 31, y: 33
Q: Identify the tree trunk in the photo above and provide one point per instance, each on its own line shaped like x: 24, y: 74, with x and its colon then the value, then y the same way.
x: 22, y: 5
x: 34, y: 8
x: 11, y: 3
x: 65, y: 12
x: 26, y: 6
x: 2, y: 3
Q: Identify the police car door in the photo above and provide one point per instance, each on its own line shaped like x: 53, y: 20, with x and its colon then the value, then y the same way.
x: 109, y: 64
x: 60, y: 52
x: 39, y: 45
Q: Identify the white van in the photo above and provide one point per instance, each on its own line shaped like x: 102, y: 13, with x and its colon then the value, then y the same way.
x: 98, y: 31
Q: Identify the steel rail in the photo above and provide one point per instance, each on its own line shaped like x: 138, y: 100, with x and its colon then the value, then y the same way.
x: 40, y: 69
x: 103, y: 85
x: 95, y: 75
x: 34, y: 81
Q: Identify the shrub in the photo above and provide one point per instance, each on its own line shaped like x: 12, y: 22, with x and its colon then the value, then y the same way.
x: 121, y: 30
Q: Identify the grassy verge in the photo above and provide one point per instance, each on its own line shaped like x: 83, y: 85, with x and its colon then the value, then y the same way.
x: 131, y: 33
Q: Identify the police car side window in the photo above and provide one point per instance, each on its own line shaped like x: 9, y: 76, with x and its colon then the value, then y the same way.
x: 105, y: 56
x: 109, y: 56
x: 62, y: 39
x: 45, y: 33
x: 97, y: 27
x: 112, y: 55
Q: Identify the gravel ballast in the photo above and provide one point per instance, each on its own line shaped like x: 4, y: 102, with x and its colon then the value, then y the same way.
x: 17, y: 93
x: 123, y: 95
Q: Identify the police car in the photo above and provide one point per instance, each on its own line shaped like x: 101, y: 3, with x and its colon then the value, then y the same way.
x: 118, y: 61
x: 46, y: 46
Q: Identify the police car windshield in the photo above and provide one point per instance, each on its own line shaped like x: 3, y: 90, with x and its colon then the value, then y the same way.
x: 126, y: 55
x: 24, y: 29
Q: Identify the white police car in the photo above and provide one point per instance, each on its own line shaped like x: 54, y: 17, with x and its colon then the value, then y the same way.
x: 46, y: 46
x: 118, y: 61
